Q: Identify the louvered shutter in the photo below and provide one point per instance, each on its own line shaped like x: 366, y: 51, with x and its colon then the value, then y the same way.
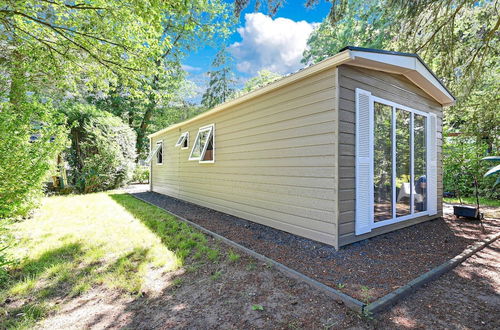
x: 432, y: 164
x: 364, y: 162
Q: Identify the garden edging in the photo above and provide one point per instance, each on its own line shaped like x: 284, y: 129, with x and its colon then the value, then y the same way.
x: 353, y: 303
x: 391, y: 298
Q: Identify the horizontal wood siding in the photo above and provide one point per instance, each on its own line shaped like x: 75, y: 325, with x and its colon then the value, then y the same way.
x: 275, y: 160
x: 394, y: 88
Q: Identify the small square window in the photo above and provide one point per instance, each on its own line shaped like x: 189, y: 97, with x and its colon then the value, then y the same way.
x: 183, y: 141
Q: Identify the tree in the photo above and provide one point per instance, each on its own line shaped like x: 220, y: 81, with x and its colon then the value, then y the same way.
x: 31, y: 135
x: 202, y: 20
x: 361, y: 25
x: 263, y: 78
x: 221, y: 80
x: 45, y: 46
x: 104, y: 45
x: 48, y: 39
x: 426, y: 27
x: 102, y: 154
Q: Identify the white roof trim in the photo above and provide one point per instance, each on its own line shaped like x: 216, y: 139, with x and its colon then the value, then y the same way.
x: 409, y: 66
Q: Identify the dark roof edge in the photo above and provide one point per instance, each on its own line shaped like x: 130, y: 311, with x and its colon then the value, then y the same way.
x: 390, y: 52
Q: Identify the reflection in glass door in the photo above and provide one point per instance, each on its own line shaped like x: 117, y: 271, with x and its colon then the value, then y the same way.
x: 382, y: 157
x: 399, y: 162
x: 420, y: 164
x: 403, y: 160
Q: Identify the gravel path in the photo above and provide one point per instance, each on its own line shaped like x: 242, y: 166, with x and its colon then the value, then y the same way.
x: 365, y: 270
x: 468, y: 297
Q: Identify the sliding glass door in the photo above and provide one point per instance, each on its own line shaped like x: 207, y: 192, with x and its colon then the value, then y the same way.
x: 399, y: 162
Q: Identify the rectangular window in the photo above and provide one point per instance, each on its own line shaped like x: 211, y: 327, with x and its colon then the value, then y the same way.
x: 183, y: 141
x: 159, y: 154
x: 400, y: 170
x: 204, y: 146
x: 395, y: 173
x: 153, y: 152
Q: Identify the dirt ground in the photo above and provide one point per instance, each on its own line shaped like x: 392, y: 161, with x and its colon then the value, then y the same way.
x: 247, y: 294
x: 222, y: 295
x: 365, y: 270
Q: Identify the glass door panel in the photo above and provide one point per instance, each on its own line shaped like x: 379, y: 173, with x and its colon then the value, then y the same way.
x: 403, y: 163
x: 420, y: 163
x: 382, y: 157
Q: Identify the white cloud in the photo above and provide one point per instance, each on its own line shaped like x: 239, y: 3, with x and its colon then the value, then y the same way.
x: 273, y: 44
x: 190, y: 68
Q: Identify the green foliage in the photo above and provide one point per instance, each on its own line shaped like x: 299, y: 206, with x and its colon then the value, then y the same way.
x: 31, y: 135
x: 125, y: 58
x: 233, y: 256
x: 472, y: 200
x: 362, y: 25
x: 6, y: 260
x: 101, y: 39
x: 102, y: 154
x: 257, y: 307
x: 462, y: 165
x: 141, y: 174
x: 263, y: 78
x: 216, y: 276
x: 221, y: 81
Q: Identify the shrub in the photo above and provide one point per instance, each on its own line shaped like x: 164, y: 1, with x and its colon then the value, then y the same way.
x: 462, y: 165
x: 141, y: 174
x: 31, y: 135
x: 102, y: 154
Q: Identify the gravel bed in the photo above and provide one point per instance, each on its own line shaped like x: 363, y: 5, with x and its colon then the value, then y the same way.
x: 365, y: 270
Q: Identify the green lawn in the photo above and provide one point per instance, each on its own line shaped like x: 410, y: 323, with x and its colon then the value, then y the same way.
x: 74, y: 243
x: 472, y: 201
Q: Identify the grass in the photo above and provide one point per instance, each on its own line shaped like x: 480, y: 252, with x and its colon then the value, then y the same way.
x: 472, y: 201
x: 233, y: 256
x: 75, y: 243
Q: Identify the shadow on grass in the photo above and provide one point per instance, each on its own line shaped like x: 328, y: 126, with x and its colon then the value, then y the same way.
x: 36, y: 286
x: 177, y: 236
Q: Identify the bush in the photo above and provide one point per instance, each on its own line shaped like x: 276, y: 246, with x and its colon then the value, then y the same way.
x: 102, y: 154
x: 462, y: 165
x: 31, y: 135
x: 141, y: 174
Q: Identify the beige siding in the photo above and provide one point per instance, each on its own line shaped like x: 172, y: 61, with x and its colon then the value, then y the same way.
x: 275, y: 160
x: 394, y: 88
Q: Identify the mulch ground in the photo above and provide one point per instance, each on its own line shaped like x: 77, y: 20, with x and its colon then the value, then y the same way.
x: 365, y: 270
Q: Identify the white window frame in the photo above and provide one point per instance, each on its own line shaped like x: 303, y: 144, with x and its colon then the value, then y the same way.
x: 160, y: 142
x: 395, y: 218
x: 211, y: 129
x: 152, y: 152
x: 184, y: 137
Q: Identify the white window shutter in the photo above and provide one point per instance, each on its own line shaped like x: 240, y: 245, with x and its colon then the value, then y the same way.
x: 364, y: 162
x: 432, y: 164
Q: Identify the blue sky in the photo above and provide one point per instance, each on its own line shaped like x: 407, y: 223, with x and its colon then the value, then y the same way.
x: 262, y: 42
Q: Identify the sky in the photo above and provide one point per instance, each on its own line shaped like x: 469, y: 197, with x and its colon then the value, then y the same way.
x: 261, y: 42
